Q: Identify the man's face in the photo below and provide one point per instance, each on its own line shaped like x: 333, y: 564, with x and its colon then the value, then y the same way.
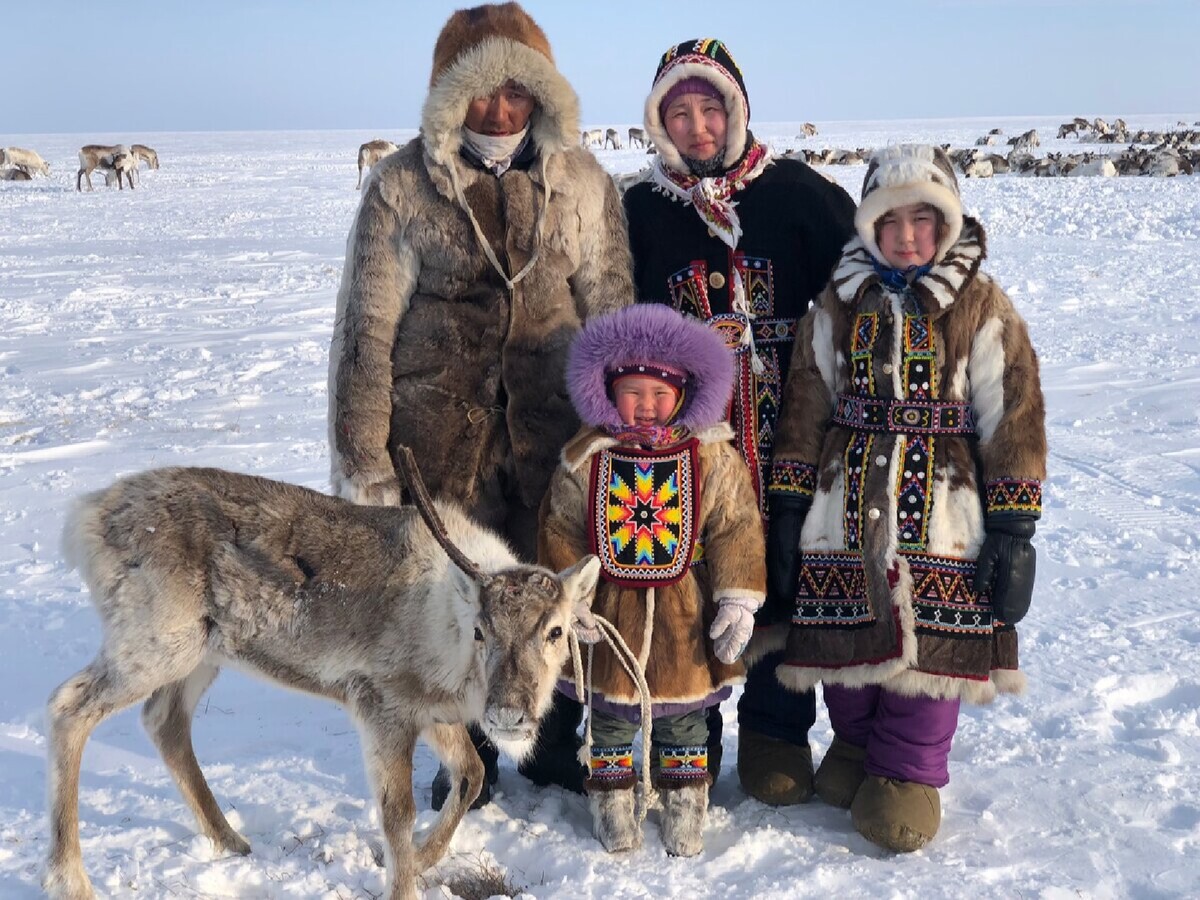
x: 505, y: 112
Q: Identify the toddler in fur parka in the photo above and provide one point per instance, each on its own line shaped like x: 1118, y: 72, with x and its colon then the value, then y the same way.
x: 911, y: 456
x: 657, y: 490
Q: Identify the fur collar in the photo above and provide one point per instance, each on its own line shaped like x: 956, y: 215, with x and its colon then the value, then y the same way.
x: 479, y: 71
x: 937, y: 290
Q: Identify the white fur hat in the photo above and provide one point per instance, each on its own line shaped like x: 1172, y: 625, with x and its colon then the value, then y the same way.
x: 905, y: 174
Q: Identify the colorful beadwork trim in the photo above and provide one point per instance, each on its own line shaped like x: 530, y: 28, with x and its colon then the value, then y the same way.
x: 862, y: 375
x: 858, y: 451
x: 944, y: 600
x: 689, y: 290
x: 682, y: 763
x: 644, y: 508
x: 796, y: 478
x: 903, y: 416
x: 1014, y: 495
x: 611, y: 764
x: 914, y: 499
x: 832, y: 591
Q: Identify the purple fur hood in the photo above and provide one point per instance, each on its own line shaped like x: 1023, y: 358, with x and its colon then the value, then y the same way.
x: 650, y: 333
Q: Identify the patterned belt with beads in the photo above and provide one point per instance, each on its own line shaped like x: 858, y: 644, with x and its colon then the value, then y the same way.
x: 904, y: 416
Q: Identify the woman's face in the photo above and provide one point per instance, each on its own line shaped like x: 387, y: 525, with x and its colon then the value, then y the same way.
x: 506, y: 112
x: 695, y: 124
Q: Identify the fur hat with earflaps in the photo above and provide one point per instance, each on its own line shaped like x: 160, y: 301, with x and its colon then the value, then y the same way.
x: 901, y: 176
x: 711, y: 61
x: 477, y: 51
x: 651, y: 336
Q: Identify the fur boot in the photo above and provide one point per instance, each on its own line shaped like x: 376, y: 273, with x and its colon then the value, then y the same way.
x: 841, y: 772
x: 775, y: 772
x: 614, y: 820
x: 897, y: 815
x: 684, y: 812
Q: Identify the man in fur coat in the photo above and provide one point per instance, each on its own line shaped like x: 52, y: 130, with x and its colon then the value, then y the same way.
x: 477, y: 250
x: 723, y: 231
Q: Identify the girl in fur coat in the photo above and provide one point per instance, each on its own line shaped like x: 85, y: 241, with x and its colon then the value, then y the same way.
x: 908, y: 470
x: 653, y: 485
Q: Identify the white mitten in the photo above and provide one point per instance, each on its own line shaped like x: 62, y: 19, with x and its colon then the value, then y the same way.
x: 585, y: 626
x: 733, y: 626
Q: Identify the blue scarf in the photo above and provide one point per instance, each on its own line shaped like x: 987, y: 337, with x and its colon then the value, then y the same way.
x: 899, y: 279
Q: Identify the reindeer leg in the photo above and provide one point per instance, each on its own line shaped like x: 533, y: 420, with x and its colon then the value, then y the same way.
x: 388, y: 748
x: 76, y: 707
x: 453, y: 746
x: 167, y: 716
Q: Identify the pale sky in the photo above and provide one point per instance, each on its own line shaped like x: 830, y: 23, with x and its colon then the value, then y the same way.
x: 139, y: 66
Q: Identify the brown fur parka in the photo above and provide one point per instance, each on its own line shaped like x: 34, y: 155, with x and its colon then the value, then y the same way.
x: 897, y: 518
x: 681, y: 666
x: 432, y: 346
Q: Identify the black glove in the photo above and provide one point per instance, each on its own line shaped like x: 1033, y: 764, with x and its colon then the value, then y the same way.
x: 787, y: 512
x: 1006, y: 565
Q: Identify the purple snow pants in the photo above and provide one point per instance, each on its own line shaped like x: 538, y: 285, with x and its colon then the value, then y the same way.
x: 905, y: 737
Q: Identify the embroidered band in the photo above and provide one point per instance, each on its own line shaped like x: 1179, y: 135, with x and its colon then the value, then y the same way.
x: 1014, y: 495
x: 904, y: 416
x: 682, y: 764
x: 788, y: 477
x: 610, y: 765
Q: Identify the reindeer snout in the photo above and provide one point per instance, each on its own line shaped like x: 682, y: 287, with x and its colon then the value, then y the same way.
x: 506, y: 719
x: 511, y: 730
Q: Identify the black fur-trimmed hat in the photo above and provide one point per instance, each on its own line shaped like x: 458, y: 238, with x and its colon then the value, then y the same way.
x: 902, y: 175
x: 711, y: 60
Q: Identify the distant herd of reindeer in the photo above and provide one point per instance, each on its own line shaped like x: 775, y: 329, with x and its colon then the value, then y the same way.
x: 115, y: 161
x: 1157, y: 153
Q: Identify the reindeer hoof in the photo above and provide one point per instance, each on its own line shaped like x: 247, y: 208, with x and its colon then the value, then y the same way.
x: 62, y: 883
x: 231, y: 842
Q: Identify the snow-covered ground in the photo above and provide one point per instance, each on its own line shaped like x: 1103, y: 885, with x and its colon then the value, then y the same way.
x: 187, y: 322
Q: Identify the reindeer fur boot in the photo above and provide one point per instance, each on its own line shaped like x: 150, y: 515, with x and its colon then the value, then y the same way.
x: 611, y: 796
x: 775, y: 772
x: 682, y: 780
x: 841, y: 772
x: 614, y: 819
x: 897, y: 815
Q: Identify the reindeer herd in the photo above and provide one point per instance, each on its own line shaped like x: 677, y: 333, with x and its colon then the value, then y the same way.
x: 1154, y: 153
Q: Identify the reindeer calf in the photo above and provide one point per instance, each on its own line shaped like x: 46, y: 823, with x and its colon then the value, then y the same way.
x: 115, y: 159
x: 143, y: 154
x: 191, y: 569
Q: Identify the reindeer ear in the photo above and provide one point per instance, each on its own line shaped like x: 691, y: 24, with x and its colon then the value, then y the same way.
x: 579, y: 581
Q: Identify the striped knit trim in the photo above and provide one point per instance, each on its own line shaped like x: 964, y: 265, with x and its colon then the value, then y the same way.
x: 938, y: 289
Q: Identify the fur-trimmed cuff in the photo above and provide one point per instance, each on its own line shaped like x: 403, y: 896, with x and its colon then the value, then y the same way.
x: 680, y: 767
x: 610, y: 769
x: 793, y: 478
x: 1014, y: 495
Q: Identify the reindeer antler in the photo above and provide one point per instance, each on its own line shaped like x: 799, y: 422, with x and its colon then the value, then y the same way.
x: 420, y: 496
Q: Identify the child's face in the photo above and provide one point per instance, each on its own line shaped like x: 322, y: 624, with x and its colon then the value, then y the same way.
x: 908, y: 235
x: 642, y: 400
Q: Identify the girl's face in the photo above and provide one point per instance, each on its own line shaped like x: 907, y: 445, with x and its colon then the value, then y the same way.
x: 642, y: 400
x: 908, y: 235
x: 505, y: 112
x: 695, y: 124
